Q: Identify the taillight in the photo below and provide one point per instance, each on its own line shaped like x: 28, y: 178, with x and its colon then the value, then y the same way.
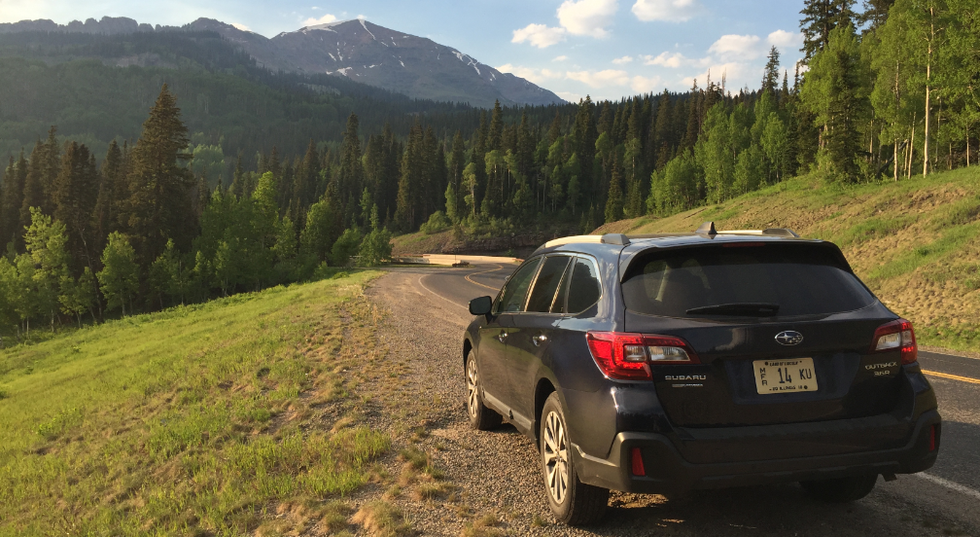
x: 897, y: 335
x: 629, y: 356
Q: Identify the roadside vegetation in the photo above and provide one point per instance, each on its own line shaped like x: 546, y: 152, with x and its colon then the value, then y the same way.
x: 914, y: 243
x: 231, y: 417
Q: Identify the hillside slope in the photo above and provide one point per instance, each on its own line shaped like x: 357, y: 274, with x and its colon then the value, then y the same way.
x: 914, y: 243
x: 224, y: 418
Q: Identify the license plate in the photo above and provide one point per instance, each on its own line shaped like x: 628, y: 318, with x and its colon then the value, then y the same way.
x: 785, y: 376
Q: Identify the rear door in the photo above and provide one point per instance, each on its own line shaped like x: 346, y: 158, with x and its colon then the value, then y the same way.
x: 783, y: 333
x: 533, y: 332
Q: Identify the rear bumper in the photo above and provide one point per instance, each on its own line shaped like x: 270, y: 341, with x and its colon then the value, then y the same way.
x: 668, y: 472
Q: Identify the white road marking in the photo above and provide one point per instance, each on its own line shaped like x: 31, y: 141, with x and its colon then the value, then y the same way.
x: 440, y: 296
x: 949, y: 484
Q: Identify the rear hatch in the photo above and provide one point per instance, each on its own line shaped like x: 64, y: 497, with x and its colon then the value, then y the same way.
x: 783, y: 332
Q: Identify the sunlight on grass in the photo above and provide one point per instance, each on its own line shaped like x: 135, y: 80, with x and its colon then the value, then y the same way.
x: 916, y: 242
x: 195, y: 419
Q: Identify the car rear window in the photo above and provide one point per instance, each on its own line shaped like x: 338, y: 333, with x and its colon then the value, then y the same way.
x: 583, y: 288
x: 800, y: 279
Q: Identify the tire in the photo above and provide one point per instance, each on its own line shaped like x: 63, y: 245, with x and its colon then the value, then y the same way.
x: 572, y: 502
x: 840, y: 490
x: 481, y: 417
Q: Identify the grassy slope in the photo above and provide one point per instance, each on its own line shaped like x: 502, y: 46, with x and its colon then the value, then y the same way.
x: 915, y: 243
x: 205, y: 419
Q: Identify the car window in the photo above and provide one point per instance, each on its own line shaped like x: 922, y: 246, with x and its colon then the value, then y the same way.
x: 800, y: 279
x: 543, y: 294
x: 515, y: 290
x: 584, y: 289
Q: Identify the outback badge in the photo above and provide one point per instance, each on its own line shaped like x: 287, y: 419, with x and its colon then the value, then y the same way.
x: 789, y: 338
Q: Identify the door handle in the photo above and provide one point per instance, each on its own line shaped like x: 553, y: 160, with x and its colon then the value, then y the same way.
x: 502, y: 337
x: 539, y: 339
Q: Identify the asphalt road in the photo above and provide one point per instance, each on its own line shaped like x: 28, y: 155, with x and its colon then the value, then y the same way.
x: 951, y: 487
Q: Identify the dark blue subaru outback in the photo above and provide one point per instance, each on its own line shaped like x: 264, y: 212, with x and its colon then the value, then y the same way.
x: 674, y: 362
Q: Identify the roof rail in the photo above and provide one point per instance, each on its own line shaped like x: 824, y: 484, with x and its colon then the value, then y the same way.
x: 708, y: 229
x: 609, y: 238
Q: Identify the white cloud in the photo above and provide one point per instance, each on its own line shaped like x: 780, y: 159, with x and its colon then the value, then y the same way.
x: 666, y: 59
x: 741, y: 47
x: 560, y: 58
x: 784, y: 39
x: 587, y: 17
x: 361, y: 17
x: 322, y: 20
x: 539, y: 35
x: 642, y: 84
x: 666, y: 10
x: 537, y: 76
x: 600, y: 79
x: 569, y: 96
x: 241, y: 27
x: 623, y: 60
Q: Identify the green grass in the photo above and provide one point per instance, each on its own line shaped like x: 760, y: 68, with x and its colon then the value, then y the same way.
x: 196, y: 420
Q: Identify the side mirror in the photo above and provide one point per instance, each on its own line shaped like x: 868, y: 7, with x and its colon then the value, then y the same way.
x: 481, y: 306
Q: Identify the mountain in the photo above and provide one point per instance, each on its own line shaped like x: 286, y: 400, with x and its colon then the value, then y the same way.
x: 354, y: 49
x: 378, y: 56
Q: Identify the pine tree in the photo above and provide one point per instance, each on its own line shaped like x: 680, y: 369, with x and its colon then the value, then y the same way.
x: 496, y: 132
x: 14, y: 180
x: 160, y: 207
x: 820, y: 17
x: 34, y: 191
x: 770, y: 76
x: 875, y: 14
x: 585, y: 135
x: 75, y: 195
x: 614, y: 199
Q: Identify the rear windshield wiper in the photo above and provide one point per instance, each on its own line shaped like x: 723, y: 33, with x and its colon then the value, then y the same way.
x: 757, y: 309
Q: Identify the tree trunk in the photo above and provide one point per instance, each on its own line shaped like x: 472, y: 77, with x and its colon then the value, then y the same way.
x: 895, y: 158
x: 925, y: 142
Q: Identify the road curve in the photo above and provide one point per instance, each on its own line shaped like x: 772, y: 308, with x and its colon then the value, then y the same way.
x: 942, y: 501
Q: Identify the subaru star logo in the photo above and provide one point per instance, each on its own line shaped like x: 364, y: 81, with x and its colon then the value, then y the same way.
x: 789, y: 338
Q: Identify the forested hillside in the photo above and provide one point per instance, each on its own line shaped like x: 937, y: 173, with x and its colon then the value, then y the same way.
x: 884, y: 94
x: 98, y: 88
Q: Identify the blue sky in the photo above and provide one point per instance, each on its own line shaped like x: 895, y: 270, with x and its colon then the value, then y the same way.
x: 604, y: 48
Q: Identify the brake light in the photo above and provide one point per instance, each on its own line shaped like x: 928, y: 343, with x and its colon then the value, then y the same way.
x: 629, y: 356
x: 897, y: 335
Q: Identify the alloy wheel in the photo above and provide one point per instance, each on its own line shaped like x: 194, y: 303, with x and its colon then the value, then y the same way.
x: 555, y: 453
x: 472, y: 384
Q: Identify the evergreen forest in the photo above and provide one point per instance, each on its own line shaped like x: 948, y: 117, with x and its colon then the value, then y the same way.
x: 241, y: 178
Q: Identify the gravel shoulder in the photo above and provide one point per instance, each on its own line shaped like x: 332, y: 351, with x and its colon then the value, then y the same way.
x: 488, y: 483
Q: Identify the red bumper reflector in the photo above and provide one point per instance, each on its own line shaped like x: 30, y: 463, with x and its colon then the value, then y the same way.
x: 932, y: 439
x: 637, y: 461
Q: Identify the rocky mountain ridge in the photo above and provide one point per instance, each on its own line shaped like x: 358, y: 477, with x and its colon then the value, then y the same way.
x: 356, y: 49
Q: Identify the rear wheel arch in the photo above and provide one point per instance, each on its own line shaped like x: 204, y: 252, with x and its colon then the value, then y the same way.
x: 543, y: 389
